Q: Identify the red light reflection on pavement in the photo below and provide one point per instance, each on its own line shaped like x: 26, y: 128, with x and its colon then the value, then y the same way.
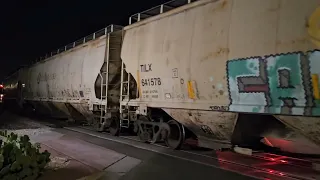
x: 267, y: 168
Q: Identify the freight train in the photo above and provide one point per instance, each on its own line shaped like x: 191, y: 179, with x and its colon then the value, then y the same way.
x: 217, y: 73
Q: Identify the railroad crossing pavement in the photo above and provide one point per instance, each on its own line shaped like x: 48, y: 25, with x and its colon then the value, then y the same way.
x: 79, y: 153
x: 76, y: 158
x: 93, y: 158
x: 76, y: 155
x: 71, y: 158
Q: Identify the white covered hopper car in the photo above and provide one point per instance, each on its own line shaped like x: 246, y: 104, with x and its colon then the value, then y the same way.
x: 218, y: 72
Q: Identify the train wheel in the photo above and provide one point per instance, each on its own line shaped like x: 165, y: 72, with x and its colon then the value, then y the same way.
x: 114, y: 126
x: 144, y: 136
x: 176, y: 136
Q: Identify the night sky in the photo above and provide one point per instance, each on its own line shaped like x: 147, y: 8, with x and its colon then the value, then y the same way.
x: 31, y: 28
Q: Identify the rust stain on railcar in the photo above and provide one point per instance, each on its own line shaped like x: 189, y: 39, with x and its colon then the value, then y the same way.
x: 218, y: 53
x: 221, y: 6
x: 313, y: 27
x: 216, y: 125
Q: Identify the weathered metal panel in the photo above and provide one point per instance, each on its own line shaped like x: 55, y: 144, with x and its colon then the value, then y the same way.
x: 228, y: 55
x: 206, y: 124
x: 67, y: 77
x: 215, y: 39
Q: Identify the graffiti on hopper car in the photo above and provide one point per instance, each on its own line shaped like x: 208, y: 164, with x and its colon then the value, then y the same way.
x: 145, y: 67
x: 277, y: 83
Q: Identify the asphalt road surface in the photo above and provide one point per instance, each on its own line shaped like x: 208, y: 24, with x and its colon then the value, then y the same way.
x: 126, y: 158
x: 158, y: 166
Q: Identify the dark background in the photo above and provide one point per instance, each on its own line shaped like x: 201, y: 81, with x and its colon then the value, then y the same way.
x: 31, y: 28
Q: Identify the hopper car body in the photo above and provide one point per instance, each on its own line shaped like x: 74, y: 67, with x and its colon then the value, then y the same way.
x: 219, y: 72
x: 73, y: 83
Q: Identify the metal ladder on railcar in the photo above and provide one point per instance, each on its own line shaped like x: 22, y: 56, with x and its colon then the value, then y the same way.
x: 124, y: 94
x: 110, y: 57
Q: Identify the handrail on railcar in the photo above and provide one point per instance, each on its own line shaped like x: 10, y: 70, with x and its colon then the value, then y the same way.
x: 93, y: 36
x: 158, y: 10
x: 112, y: 27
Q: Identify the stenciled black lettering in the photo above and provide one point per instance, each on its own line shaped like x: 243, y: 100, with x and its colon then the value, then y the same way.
x: 150, y: 69
x: 219, y: 108
x: 145, y: 67
x: 151, y: 82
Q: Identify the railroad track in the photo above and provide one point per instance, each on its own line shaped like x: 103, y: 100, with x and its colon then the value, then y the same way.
x: 259, y: 165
